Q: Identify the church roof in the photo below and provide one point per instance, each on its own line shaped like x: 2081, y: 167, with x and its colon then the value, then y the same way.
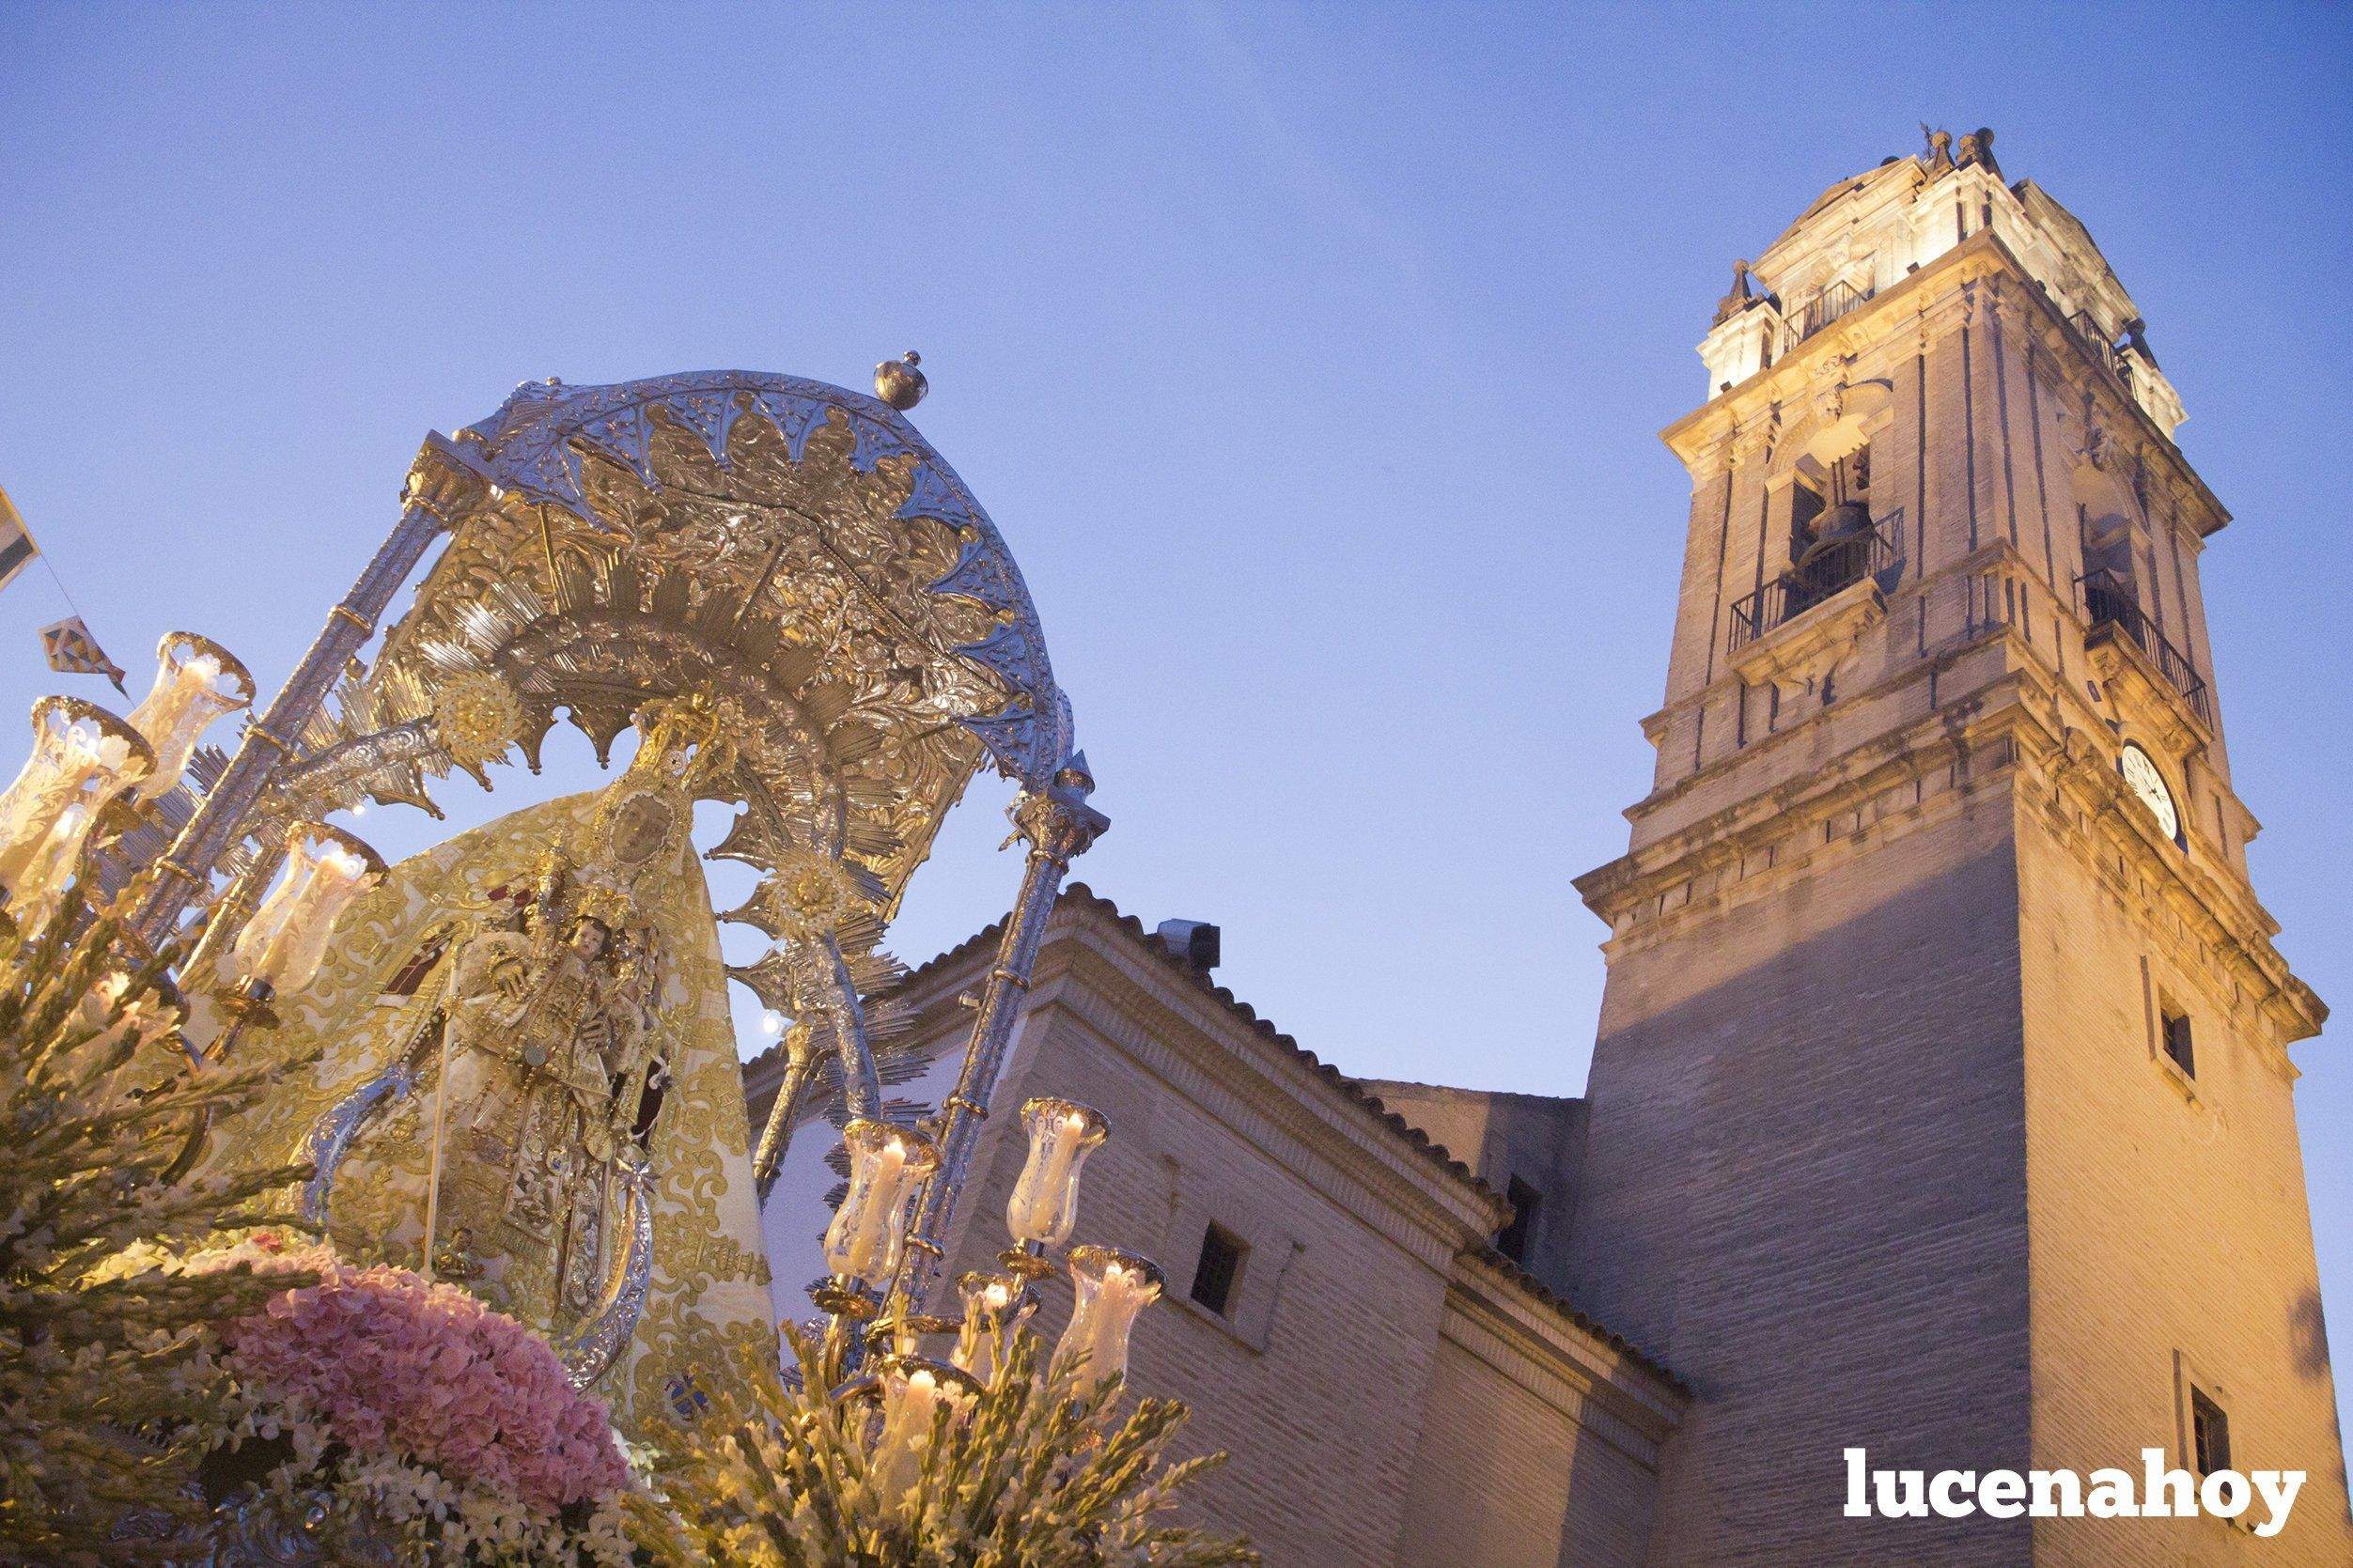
x: 1078, y: 896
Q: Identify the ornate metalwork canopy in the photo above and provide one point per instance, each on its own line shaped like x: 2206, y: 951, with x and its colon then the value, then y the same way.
x: 796, y: 551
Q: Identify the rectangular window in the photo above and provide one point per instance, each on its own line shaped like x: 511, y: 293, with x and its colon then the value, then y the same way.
x: 2210, y: 1433
x: 1512, y: 1240
x: 2177, y: 1043
x: 1221, y: 1267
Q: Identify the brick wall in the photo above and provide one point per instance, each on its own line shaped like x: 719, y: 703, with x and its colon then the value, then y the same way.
x: 1525, y: 1460
x: 1539, y: 1138
x: 1364, y: 1336
x: 1805, y: 1189
x: 2171, y: 1232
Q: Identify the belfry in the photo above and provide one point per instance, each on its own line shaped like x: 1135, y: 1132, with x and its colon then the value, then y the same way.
x: 1941, y: 1104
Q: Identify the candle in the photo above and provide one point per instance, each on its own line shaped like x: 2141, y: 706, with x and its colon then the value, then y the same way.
x: 284, y: 943
x: 991, y: 1303
x: 81, y: 758
x: 1111, y: 1288
x: 183, y: 704
x: 1044, y: 1208
x: 907, y: 1403
x: 886, y: 1163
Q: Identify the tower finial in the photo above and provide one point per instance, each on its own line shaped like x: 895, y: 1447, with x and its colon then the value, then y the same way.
x: 1977, y: 147
x: 1940, y: 149
x: 1741, y: 296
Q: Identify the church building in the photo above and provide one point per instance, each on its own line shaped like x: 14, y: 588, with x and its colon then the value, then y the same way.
x: 1943, y: 1102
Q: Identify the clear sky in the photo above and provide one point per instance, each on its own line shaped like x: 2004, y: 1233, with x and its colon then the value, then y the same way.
x: 1310, y: 358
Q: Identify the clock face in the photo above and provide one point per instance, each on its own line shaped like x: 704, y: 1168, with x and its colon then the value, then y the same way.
x: 2148, y: 785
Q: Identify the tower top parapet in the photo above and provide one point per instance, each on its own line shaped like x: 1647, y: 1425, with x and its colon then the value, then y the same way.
x: 1867, y: 233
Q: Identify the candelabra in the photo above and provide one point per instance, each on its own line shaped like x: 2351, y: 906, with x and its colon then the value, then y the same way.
x: 871, y: 1235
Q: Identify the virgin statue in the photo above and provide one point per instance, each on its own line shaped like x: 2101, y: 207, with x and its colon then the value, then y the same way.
x: 549, y: 1072
x: 530, y: 1084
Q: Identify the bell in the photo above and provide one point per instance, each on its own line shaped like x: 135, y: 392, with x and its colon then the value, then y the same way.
x: 1841, y: 525
x: 898, y: 383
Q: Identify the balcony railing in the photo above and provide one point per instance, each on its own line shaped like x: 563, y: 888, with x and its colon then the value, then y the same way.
x: 2102, y: 346
x: 1828, y: 306
x: 1825, y: 572
x: 2105, y: 604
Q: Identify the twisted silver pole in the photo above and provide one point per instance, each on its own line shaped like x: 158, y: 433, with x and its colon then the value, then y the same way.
x: 837, y: 995
x: 799, y: 1066
x: 444, y: 483
x: 1059, y: 826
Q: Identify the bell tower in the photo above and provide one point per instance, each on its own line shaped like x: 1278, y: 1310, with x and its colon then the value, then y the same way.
x: 1941, y: 1103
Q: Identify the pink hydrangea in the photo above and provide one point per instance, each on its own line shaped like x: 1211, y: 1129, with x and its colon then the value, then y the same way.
x: 392, y: 1363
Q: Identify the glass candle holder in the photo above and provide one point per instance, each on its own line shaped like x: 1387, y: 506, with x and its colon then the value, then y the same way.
x: 82, y: 758
x: 197, y: 681
x: 887, y: 1164
x: 993, y: 1303
x: 1113, y: 1287
x: 914, y: 1393
x: 280, y: 948
x: 1044, y: 1208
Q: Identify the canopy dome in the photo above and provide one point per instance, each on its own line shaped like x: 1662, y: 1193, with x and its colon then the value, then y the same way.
x: 793, y: 551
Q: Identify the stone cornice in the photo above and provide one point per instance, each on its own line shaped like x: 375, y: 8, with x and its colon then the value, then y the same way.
x: 1543, y: 1346
x: 2028, y: 726
x: 2078, y: 771
x: 1940, y: 300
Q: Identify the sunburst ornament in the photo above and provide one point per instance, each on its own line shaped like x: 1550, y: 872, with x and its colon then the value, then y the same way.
x: 812, y: 897
x: 475, y: 716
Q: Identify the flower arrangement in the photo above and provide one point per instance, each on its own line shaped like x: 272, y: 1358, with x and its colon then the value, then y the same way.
x: 426, y: 1415
x: 106, y: 1371
x: 1030, y: 1467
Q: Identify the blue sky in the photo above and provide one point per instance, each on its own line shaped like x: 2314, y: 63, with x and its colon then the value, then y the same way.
x: 1310, y: 358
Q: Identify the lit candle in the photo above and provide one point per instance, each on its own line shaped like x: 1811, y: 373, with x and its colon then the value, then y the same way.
x: 915, y: 1393
x: 282, y: 946
x: 907, y: 1403
x: 1111, y: 1288
x: 886, y: 1163
x: 81, y: 758
x: 1044, y: 1208
x: 993, y: 1304
x: 184, y: 701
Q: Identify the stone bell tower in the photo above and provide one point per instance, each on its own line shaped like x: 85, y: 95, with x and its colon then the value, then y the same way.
x: 1941, y: 1101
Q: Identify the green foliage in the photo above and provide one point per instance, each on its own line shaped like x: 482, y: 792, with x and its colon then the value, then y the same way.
x: 104, y: 1373
x: 1041, y: 1473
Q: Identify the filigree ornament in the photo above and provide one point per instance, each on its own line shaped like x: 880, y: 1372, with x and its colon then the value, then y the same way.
x: 791, y: 552
x: 475, y: 717
x: 811, y: 897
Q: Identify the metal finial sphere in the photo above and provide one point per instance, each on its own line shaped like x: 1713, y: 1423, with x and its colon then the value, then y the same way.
x: 898, y: 383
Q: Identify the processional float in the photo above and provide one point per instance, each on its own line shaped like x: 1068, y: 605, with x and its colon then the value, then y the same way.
x: 802, y: 612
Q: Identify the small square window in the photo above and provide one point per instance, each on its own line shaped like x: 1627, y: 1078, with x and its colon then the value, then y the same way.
x: 2209, y: 1432
x: 2177, y: 1043
x: 1221, y: 1267
x: 1512, y: 1240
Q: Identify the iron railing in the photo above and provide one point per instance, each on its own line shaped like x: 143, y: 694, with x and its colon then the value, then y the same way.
x: 1794, y: 592
x: 1828, y: 306
x: 2107, y: 605
x: 2102, y: 346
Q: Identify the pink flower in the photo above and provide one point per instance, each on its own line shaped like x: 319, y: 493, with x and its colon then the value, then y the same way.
x: 392, y: 1363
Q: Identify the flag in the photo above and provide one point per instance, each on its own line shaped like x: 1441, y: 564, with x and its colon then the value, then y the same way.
x: 17, y: 548
x: 73, y: 651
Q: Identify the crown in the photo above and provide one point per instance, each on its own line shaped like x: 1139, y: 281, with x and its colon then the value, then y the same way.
x: 611, y: 907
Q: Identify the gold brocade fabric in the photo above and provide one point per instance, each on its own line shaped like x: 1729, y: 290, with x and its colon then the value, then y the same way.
x: 553, y: 1037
